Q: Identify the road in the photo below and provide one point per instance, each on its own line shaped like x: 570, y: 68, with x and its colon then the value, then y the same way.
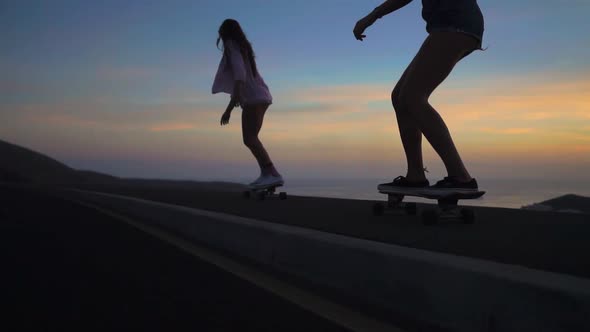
x: 65, y: 266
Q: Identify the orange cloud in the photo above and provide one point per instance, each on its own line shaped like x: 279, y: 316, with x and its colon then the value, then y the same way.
x: 529, y: 121
x: 339, y: 98
x: 510, y: 131
x: 116, y: 116
x: 346, y: 94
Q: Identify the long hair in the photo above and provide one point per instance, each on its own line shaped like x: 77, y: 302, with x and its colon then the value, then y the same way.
x: 230, y: 30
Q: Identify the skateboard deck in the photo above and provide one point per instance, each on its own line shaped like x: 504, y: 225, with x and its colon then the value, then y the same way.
x: 447, y: 204
x: 262, y: 193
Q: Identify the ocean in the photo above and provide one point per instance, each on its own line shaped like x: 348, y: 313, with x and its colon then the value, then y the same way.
x: 513, y: 193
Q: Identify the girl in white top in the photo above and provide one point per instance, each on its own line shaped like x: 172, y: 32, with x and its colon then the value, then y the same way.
x: 238, y: 76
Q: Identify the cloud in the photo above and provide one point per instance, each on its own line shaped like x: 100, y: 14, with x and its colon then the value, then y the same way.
x: 338, y: 94
x: 337, y: 98
x: 113, y: 116
x: 508, y: 103
x: 117, y: 73
x: 172, y: 127
x: 64, y: 120
x: 509, y: 131
x: 528, y: 121
x: 138, y: 73
x: 581, y: 148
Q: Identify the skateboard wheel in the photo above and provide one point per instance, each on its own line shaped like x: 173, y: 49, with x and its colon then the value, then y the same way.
x: 467, y: 216
x: 394, y: 200
x: 378, y: 209
x: 430, y: 217
x: 283, y: 195
x: 261, y: 196
x: 411, y: 208
x: 246, y: 194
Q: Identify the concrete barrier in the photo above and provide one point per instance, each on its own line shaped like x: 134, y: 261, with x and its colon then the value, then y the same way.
x: 458, y: 293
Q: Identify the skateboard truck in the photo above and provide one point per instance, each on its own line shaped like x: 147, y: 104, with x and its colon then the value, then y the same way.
x: 395, y: 204
x: 264, y: 193
x: 448, y: 210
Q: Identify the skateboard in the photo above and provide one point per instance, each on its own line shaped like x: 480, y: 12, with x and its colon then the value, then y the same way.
x: 447, y: 205
x: 263, y: 193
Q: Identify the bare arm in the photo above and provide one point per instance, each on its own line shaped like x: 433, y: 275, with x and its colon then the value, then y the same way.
x: 385, y: 8
x: 388, y: 7
x: 233, y: 102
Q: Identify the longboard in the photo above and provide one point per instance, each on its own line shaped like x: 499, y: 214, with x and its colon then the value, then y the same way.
x: 447, y: 204
x: 262, y: 193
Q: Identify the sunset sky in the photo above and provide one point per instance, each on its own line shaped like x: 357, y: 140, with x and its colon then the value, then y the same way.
x: 124, y: 87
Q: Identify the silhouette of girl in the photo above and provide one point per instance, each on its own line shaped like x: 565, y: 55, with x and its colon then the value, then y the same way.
x: 238, y: 76
x: 455, y: 30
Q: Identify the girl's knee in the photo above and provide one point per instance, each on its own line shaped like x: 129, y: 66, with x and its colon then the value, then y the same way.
x: 396, y: 101
x: 411, y: 99
x: 406, y: 101
x: 250, y: 141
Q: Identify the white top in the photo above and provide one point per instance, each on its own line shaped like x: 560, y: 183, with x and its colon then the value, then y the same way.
x: 233, y: 68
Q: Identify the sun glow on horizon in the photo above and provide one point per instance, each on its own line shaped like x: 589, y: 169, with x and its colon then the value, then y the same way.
x: 538, y: 122
x: 90, y: 93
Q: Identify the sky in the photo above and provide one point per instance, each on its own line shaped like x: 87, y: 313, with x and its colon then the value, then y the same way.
x: 124, y: 87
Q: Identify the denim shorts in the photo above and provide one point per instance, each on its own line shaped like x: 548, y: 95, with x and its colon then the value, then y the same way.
x: 454, y: 15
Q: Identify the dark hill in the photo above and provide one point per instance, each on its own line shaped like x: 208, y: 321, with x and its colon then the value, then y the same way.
x: 569, y: 202
x: 25, y: 166
x: 22, y: 165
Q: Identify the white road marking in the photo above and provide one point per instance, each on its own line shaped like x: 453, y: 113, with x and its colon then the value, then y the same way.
x: 334, y: 312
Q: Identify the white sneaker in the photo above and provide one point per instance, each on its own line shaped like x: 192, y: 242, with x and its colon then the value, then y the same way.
x: 253, y: 184
x: 269, y: 181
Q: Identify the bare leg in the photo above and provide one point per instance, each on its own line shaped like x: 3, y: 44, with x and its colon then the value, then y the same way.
x: 410, y: 134
x: 433, y: 63
x: 252, y: 118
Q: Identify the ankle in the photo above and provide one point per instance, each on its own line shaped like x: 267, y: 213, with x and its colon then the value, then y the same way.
x: 415, y: 177
x: 269, y: 169
x: 462, y: 178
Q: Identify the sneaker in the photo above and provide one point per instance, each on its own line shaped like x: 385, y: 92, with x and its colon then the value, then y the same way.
x: 402, y: 182
x: 253, y: 183
x: 269, y: 181
x: 450, y: 184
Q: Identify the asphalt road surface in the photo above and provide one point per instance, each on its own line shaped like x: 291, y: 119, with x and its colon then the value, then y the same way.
x: 64, y: 266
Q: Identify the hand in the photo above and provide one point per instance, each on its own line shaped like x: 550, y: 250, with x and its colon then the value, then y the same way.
x: 361, y: 25
x: 225, y: 118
